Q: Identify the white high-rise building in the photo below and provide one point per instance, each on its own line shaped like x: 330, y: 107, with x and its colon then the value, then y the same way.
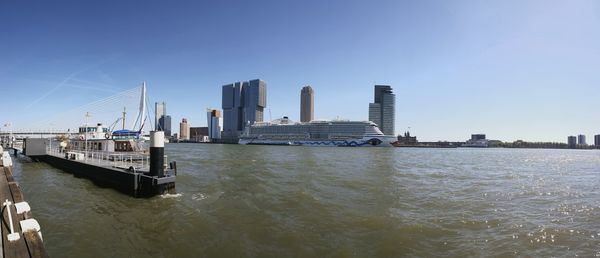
x: 213, y: 117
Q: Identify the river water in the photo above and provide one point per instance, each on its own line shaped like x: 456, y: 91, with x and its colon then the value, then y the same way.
x: 279, y: 201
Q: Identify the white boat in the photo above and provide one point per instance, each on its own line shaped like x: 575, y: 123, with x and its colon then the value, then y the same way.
x: 336, y: 133
x: 99, y: 138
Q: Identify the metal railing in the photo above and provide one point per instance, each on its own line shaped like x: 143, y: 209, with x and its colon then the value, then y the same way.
x: 123, y: 160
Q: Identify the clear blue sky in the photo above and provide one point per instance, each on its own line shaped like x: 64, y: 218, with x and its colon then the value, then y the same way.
x: 512, y: 69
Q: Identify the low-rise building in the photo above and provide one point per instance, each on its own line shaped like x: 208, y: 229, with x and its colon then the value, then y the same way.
x: 407, y: 139
x: 199, y: 134
x: 477, y: 140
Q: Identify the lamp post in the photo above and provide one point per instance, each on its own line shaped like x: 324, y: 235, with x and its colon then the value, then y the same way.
x: 87, y: 116
x: 10, y: 136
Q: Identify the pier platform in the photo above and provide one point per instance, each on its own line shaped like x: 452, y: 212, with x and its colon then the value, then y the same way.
x: 21, y: 234
x: 129, y: 173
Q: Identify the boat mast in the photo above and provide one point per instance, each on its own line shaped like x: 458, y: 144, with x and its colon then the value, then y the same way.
x: 124, y: 113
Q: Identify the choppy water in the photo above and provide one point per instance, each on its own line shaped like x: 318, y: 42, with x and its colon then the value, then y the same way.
x: 277, y: 201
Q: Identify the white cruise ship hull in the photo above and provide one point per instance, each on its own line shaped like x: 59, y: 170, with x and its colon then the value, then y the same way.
x: 367, y: 141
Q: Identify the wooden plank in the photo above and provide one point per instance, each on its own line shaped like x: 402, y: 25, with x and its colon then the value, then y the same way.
x: 8, y: 173
x: 15, y: 192
x: 35, y: 244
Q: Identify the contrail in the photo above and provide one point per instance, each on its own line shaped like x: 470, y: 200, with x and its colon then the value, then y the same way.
x: 61, y: 84
x: 52, y: 90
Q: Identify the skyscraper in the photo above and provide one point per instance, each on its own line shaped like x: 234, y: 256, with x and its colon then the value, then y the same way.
x: 307, y: 107
x: 160, y: 109
x: 581, y: 139
x: 164, y: 124
x: 572, y: 142
x: 213, y: 117
x: 255, y: 101
x: 597, y: 140
x: 232, y: 104
x: 184, y: 130
x: 243, y: 103
x: 383, y: 110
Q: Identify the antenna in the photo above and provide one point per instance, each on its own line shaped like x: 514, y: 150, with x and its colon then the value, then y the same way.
x: 270, y: 118
x: 124, y: 113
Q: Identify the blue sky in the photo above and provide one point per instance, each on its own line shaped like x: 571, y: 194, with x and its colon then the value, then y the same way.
x: 512, y: 69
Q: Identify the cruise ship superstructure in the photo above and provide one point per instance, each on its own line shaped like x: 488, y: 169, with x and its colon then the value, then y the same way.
x: 336, y: 133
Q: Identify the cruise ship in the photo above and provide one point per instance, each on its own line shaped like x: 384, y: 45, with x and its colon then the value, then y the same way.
x: 336, y: 133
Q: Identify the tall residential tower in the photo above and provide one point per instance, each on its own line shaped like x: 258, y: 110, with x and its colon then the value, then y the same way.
x: 572, y: 142
x: 184, y: 130
x: 213, y: 117
x: 383, y: 110
x: 307, y: 106
x: 581, y: 139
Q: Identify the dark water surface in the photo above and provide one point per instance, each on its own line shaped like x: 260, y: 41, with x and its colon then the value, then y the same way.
x: 278, y: 201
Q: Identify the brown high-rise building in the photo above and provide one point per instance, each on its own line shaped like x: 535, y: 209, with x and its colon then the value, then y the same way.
x: 307, y: 104
x: 184, y: 130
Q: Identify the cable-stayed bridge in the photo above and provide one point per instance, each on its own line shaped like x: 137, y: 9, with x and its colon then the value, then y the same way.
x: 125, y: 110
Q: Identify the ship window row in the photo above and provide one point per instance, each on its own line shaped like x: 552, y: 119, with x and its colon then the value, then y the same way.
x: 91, y: 129
x: 305, y: 129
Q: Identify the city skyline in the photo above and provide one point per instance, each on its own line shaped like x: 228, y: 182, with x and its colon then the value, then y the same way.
x: 503, y: 68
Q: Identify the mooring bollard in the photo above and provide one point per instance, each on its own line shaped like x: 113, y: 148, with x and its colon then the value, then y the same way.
x: 157, y: 153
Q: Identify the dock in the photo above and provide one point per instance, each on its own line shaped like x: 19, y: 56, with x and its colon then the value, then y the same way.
x: 135, y: 174
x: 21, y: 233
